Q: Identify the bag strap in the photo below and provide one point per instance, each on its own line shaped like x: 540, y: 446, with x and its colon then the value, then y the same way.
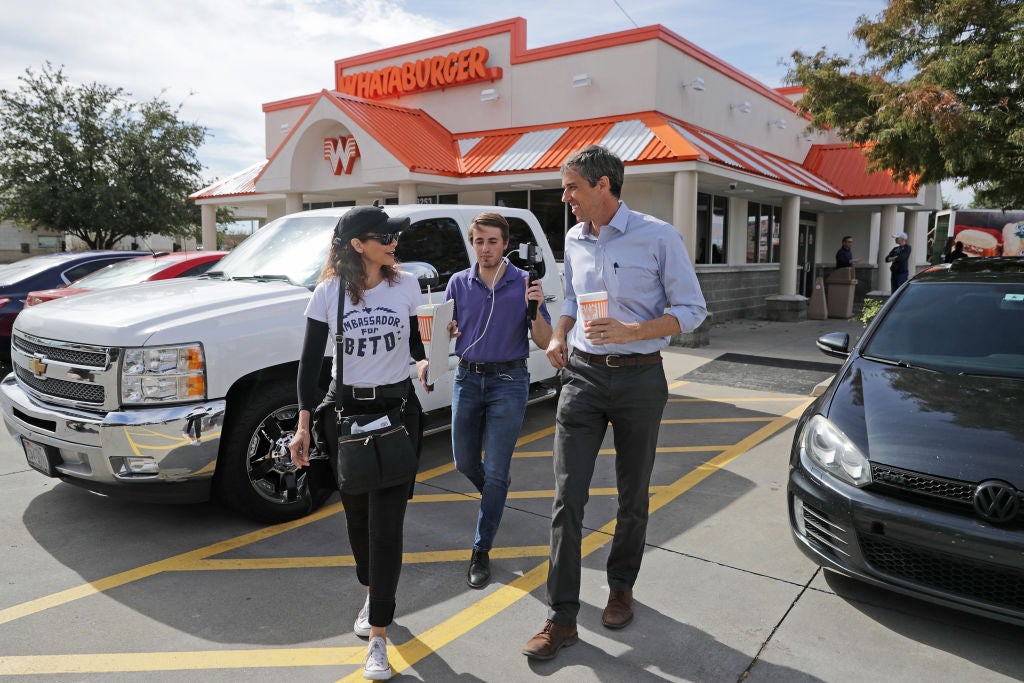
x: 339, y: 352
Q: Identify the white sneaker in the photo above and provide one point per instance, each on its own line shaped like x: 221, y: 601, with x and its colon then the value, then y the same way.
x: 362, y: 625
x: 377, y: 667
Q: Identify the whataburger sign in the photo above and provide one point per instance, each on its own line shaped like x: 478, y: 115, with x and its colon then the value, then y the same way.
x: 440, y: 71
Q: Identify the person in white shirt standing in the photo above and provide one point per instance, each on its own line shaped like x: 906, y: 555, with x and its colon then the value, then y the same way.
x: 380, y: 334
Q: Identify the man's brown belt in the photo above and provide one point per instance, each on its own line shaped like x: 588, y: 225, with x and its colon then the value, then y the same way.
x: 613, y: 360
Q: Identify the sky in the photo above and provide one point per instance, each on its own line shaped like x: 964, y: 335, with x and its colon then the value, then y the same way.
x: 221, y: 60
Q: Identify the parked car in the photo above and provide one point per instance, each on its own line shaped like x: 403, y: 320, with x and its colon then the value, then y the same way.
x: 908, y: 472
x: 159, y: 265
x: 43, y: 272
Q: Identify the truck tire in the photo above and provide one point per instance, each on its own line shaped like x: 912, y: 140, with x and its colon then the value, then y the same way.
x: 249, y: 478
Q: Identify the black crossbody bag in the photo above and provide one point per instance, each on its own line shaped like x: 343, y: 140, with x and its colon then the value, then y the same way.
x: 374, y: 450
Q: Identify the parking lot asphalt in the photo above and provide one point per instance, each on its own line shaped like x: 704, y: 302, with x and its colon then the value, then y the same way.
x: 99, y: 589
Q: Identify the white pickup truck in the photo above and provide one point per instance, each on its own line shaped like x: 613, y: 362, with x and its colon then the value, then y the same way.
x: 176, y: 390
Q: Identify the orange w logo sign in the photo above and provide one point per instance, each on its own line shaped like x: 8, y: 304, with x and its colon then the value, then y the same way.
x: 341, y: 153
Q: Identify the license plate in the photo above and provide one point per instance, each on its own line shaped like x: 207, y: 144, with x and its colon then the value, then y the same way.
x: 39, y: 458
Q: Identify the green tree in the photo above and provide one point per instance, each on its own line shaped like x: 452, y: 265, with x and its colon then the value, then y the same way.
x: 935, y: 96
x: 85, y: 160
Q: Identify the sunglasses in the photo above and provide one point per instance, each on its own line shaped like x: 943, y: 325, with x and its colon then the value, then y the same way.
x: 385, y: 238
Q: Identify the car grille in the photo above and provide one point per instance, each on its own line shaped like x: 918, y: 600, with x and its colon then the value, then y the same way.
x: 926, y: 489
x: 995, y: 585
x: 59, y: 388
x: 823, y: 533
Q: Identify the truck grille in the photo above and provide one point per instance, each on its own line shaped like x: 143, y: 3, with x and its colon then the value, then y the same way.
x: 62, y: 354
x: 59, y: 388
x: 67, y: 373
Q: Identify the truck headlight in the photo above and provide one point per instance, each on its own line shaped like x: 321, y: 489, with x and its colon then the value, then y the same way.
x: 163, y: 374
x: 827, y: 447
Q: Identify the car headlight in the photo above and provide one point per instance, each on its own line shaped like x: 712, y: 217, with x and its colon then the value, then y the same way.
x: 828, y: 448
x: 163, y: 374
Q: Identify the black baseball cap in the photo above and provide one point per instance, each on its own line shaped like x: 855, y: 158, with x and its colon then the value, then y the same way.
x: 361, y: 220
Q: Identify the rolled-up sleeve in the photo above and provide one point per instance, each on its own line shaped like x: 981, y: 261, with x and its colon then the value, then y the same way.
x: 682, y: 289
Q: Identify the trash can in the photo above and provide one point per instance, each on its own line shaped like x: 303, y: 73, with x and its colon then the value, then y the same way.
x: 841, y: 286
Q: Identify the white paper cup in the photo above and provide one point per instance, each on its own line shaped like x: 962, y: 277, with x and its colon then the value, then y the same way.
x: 592, y: 306
x: 425, y: 315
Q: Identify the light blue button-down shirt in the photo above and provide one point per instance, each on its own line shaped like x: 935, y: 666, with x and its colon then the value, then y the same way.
x: 642, y: 262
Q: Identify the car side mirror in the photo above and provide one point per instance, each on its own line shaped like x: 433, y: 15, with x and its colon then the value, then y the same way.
x: 835, y: 344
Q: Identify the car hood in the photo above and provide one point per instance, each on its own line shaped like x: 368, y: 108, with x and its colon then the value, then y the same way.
x: 164, y: 312
x: 955, y: 426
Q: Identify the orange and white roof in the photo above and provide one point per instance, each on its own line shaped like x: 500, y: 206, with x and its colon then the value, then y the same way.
x: 423, y: 146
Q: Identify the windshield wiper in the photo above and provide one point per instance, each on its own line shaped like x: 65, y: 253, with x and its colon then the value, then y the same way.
x: 214, y: 273
x: 282, y: 278
x: 899, y: 363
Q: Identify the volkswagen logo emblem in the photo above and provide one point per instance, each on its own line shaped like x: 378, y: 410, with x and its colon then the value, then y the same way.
x: 996, y: 501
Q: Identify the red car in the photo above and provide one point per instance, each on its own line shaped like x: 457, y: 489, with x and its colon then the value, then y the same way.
x: 157, y: 266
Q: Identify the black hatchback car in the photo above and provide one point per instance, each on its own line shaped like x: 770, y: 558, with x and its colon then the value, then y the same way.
x: 908, y: 471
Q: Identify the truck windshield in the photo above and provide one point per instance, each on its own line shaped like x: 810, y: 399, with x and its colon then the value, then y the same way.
x: 294, y: 247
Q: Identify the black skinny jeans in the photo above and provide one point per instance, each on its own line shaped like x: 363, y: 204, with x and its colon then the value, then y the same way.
x: 375, y: 519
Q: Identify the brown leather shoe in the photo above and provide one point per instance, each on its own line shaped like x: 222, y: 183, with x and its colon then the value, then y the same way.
x: 552, y: 638
x: 619, y: 610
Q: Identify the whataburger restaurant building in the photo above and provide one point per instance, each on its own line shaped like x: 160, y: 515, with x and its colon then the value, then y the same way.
x: 474, y: 117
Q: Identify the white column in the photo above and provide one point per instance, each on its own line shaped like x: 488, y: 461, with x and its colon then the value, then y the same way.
x: 789, y: 240
x: 208, y: 212
x: 292, y: 202
x: 916, y: 226
x: 890, y: 224
x: 737, y: 241
x: 407, y: 193
x: 684, y: 208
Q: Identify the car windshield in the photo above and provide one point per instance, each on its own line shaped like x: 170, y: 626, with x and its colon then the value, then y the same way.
x: 26, y: 268
x: 974, y: 328
x: 292, y: 248
x: 124, y: 273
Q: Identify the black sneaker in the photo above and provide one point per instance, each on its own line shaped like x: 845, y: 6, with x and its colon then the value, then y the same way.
x: 479, y: 574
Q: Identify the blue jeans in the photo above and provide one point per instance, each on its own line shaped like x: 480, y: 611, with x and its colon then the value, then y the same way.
x: 487, y: 414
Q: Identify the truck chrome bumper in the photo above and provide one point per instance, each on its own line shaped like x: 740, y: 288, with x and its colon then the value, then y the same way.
x: 146, y: 446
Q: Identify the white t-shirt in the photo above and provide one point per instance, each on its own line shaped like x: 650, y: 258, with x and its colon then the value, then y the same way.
x: 376, y: 332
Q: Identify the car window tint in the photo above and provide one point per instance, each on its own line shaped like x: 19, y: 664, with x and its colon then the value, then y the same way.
x: 438, y: 242
x: 197, y: 269
x: 955, y: 327
x: 83, y: 269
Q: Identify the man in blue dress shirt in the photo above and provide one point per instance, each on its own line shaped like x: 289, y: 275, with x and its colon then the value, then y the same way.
x: 492, y: 383
x: 611, y: 374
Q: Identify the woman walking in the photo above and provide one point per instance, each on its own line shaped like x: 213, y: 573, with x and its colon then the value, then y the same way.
x: 380, y: 335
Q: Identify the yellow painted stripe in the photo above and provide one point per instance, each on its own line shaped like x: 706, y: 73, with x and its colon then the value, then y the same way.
x: 611, y: 451
x: 432, y: 557
x: 27, y: 665
x: 170, y: 564
x: 713, y: 420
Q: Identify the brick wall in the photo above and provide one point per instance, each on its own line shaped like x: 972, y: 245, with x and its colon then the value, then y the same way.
x: 738, y: 293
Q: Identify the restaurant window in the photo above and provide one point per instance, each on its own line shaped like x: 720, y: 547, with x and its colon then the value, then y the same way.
x: 438, y: 199
x: 547, y: 206
x: 712, y: 228
x: 764, y: 228
x: 307, y: 206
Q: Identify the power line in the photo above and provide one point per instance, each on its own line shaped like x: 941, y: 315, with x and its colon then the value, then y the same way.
x: 635, y: 25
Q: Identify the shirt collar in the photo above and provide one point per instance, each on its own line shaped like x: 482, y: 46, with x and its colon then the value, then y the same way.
x: 509, y: 269
x: 620, y: 222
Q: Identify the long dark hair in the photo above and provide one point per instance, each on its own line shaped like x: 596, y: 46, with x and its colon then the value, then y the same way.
x: 346, y: 264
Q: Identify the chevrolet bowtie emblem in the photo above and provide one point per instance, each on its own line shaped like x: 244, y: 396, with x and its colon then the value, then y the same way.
x: 37, y: 366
